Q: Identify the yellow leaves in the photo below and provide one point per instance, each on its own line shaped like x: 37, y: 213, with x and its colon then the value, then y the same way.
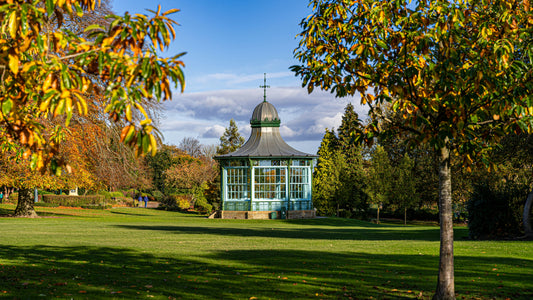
x: 381, y: 16
x: 141, y: 109
x: 127, y: 134
x: 81, y: 103
x: 360, y: 48
x: 146, y: 122
x: 128, y: 113
x: 12, y: 24
x: 153, y: 145
x: 486, y: 32
x: 59, y: 109
x: 13, y: 63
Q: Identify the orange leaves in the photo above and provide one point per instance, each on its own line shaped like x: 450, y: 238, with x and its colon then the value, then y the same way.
x: 50, y: 77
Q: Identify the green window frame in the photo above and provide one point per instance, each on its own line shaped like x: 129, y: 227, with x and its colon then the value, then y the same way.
x: 300, y: 187
x: 237, y: 183
x: 270, y: 183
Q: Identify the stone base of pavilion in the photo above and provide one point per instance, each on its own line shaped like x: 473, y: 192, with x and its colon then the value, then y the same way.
x: 263, y: 215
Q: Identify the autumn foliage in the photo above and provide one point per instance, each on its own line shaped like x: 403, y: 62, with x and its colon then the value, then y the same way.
x: 48, y: 73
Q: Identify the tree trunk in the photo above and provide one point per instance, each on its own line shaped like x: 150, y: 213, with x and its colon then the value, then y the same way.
x: 377, y: 222
x: 527, y: 213
x: 25, y: 204
x: 405, y: 217
x: 445, y: 281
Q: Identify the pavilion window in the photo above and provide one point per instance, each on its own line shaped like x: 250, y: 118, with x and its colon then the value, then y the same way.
x: 238, y: 185
x: 269, y: 183
x: 299, y: 183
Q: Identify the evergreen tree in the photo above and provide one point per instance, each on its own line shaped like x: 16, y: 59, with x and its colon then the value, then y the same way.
x: 379, y: 178
x: 404, y: 194
x: 231, y: 140
x: 326, y: 175
x: 165, y: 158
x: 351, y: 195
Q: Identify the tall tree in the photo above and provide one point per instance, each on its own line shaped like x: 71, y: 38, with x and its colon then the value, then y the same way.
x: 49, y: 72
x: 231, y: 140
x: 379, y: 178
x: 326, y: 177
x: 191, y: 176
x: 458, y: 73
x: 191, y: 146
x: 404, y: 186
x: 351, y: 194
x: 165, y: 158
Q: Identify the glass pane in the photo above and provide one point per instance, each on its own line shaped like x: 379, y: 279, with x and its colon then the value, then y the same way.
x: 237, y: 182
x: 270, y: 183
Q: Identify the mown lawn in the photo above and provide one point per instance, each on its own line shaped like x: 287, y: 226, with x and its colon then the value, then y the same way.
x: 144, y: 253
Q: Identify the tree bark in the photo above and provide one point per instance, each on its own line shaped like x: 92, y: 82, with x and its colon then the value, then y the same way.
x: 25, y: 204
x: 526, y: 219
x: 445, y: 282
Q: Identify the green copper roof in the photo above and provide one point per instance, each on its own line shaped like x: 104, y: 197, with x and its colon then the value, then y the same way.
x: 265, y: 139
x: 265, y: 115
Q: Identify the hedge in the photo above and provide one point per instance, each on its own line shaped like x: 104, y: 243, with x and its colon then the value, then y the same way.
x: 495, y: 212
x: 74, y: 201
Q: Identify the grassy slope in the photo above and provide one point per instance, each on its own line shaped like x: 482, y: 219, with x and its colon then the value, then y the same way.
x: 139, y: 253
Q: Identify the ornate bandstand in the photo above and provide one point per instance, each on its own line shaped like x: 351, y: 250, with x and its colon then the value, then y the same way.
x: 266, y: 178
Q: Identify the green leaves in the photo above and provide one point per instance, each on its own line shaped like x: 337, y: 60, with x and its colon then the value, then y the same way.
x: 56, y: 74
x: 422, y: 60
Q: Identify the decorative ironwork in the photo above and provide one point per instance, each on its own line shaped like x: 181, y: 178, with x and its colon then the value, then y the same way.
x: 264, y: 87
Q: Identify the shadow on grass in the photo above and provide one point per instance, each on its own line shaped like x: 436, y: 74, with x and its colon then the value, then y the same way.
x: 6, y: 212
x: 129, y: 214
x: 100, y: 272
x: 316, y: 233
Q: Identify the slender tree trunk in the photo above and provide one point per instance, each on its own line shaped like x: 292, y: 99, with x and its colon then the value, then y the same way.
x: 405, y: 216
x: 377, y: 222
x: 25, y: 204
x: 445, y: 283
x: 527, y: 212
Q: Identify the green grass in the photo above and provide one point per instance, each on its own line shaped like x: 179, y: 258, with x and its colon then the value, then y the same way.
x: 142, y: 253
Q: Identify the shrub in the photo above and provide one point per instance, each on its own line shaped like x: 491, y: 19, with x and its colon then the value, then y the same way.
x: 116, y: 194
x: 168, y: 203
x: 13, y: 198
x: 75, y: 201
x: 183, y: 202
x: 96, y: 206
x: 175, y: 202
x: 202, y: 205
x: 157, y: 195
x: 106, y: 194
x: 495, y: 212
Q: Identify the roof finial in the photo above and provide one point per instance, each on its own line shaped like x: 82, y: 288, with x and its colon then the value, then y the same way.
x: 264, y: 87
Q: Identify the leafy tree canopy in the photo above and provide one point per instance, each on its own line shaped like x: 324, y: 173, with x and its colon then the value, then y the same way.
x: 51, y: 73
x: 459, y: 73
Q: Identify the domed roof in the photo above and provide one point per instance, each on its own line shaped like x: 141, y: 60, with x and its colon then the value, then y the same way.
x: 265, y: 139
x: 265, y: 115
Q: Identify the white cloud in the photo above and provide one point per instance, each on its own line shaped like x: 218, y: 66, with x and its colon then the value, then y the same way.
x: 304, y: 117
x: 215, y: 131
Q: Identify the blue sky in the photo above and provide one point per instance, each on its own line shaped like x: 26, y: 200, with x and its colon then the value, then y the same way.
x: 229, y: 45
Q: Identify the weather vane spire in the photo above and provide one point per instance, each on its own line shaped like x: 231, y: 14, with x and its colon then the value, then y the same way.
x: 264, y: 87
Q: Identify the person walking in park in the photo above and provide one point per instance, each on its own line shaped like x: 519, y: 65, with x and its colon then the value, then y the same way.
x: 140, y: 201
x: 1, y: 197
x: 145, y: 201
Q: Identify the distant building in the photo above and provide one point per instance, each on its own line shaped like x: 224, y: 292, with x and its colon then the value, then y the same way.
x: 266, y: 178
